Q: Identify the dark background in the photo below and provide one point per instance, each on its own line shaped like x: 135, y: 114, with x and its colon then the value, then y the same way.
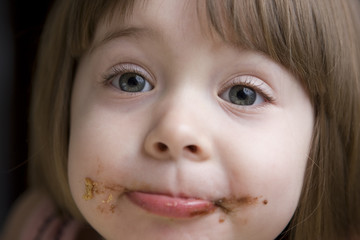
x: 21, y: 23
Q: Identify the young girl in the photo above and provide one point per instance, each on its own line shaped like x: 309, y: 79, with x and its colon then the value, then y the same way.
x: 195, y: 120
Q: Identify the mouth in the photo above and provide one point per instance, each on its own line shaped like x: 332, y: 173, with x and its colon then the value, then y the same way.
x: 166, y: 205
x: 171, y: 207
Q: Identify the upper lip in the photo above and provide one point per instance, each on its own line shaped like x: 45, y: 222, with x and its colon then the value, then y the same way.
x: 186, y: 192
x: 177, y: 195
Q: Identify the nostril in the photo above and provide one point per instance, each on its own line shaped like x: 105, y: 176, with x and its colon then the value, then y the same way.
x: 192, y: 148
x: 161, y: 147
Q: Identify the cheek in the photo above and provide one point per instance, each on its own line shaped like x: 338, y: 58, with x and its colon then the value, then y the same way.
x: 102, y: 138
x: 267, y: 161
x: 267, y: 156
x: 98, y: 159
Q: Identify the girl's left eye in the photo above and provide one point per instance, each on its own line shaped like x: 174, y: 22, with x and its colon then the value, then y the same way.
x: 131, y: 82
x: 242, y: 95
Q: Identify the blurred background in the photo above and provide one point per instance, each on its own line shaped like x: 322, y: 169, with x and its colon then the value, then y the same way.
x: 21, y: 23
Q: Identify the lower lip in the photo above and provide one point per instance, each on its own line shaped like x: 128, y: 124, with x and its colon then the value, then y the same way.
x: 171, y: 207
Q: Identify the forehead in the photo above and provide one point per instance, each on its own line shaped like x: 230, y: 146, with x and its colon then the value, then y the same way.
x: 160, y: 20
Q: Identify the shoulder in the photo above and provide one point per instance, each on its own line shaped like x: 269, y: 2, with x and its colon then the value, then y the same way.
x: 20, y: 212
x: 34, y: 216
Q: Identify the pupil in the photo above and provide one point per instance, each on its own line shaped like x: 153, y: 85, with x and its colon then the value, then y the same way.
x: 243, y: 94
x: 132, y: 82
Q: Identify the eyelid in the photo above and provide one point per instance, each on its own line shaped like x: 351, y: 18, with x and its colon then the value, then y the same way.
x: 252, y: 82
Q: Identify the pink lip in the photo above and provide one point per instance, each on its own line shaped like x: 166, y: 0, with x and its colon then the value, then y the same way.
x: 172, y: 207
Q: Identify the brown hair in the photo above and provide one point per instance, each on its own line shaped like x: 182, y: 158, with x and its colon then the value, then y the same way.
x: 318, y: 41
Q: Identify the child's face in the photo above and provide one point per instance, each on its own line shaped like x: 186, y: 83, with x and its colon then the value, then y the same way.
x: 211, y: 143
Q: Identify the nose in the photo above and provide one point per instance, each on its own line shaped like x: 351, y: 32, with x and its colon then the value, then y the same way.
x: 178, y: 133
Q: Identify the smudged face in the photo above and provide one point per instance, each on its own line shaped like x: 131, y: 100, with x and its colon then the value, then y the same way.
x: 178, y: 135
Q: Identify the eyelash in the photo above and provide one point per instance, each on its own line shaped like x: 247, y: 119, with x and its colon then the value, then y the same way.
x: 124, y: 68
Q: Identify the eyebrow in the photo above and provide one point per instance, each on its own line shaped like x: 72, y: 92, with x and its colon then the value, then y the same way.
x: 130, y: 32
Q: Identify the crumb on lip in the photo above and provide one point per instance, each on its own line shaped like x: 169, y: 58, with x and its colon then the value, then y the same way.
x: 209, y: 209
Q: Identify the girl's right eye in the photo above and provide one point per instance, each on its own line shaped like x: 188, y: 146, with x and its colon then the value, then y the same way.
x: 131, y: 82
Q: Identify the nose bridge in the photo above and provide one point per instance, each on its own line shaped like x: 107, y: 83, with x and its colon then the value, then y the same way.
x: 177, y: 131
x: 179, y: 112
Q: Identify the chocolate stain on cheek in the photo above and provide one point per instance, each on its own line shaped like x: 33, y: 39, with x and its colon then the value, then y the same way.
x: 90, y: 189
x: 100, y: 168
x: 230, y: 205
x: 107, y: 192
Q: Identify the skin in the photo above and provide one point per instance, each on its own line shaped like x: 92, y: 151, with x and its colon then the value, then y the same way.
x: 184, y: 137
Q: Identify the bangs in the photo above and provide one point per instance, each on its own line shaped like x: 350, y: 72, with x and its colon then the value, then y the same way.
x: 282, y: 30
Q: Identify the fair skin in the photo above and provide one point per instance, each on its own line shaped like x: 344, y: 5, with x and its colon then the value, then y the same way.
x: 184, y: 135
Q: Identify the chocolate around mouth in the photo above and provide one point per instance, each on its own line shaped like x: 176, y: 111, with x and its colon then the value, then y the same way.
x: 227, y: 205
x: 93, y: 188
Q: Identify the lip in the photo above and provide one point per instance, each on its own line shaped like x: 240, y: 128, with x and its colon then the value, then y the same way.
x: 169, y: 206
